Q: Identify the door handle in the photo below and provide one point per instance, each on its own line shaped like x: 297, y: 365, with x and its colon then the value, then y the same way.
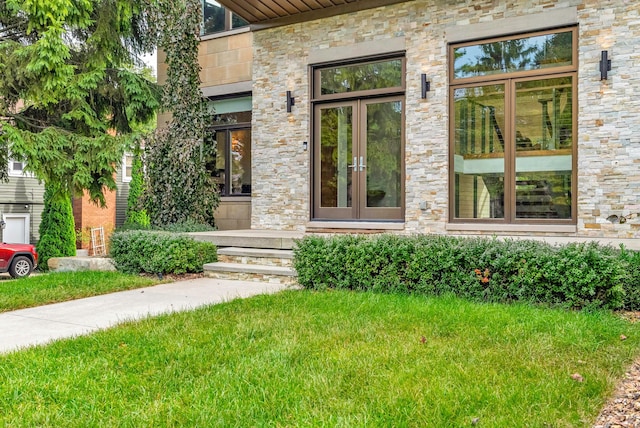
x: 355, y: 164
x: 362, y: 165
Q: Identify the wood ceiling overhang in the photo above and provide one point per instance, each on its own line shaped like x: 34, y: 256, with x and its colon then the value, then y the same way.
x: 262, y: 14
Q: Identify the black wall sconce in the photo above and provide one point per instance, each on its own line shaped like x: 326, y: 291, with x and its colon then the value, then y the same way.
x: 291, y: 101
x: 605, y: 65
x: 426, y: 85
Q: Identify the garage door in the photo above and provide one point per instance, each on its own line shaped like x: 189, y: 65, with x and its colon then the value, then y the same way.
x: 17, y: 228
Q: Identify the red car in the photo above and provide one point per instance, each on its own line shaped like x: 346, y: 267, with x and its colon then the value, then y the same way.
x: 18, y: 259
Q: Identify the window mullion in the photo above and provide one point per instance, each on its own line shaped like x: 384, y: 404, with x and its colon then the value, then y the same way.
x: 509, y: 152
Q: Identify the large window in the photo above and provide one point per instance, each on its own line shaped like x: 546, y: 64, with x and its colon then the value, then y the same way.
x: 216, y: 18
x: 513, y: 129
x: 228, y: 146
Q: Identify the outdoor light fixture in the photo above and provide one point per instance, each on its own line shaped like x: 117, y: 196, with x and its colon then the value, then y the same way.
x: 605, y: 65
x: 291, y: 101
x: 426, y: 85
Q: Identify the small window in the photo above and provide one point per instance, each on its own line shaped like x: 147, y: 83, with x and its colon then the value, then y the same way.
x: 227, y: 147
x: 216, y: 18
x: 127, y: 167
x: 17, y: 168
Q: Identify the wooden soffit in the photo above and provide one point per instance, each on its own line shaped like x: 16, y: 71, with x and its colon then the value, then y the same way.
x: 262, y: 14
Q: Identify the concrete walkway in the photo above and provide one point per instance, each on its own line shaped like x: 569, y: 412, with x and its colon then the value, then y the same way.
x: 43, y: 324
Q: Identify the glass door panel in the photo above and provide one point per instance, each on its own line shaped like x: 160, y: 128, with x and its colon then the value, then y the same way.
x: 333, y: 157
x: 240, y: 166
x: 219, y: 171
x: 380, y: 159
x: 544, y: 147
x: 479, y: 145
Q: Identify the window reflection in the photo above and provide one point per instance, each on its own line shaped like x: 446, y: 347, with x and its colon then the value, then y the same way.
x: 216, y: 18
x: 479, y: 137
x: 361, y: 77
x: 508, y: 56
x: 544, y: 118
x: 227, y: 152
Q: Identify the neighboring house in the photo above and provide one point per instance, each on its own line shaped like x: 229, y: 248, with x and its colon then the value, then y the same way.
x: 483, y: 118
x: 21, y: 205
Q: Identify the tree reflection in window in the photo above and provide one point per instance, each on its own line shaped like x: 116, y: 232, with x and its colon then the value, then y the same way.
x: 513, y: 55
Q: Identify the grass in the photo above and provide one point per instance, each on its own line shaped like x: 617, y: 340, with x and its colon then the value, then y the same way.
x: 339, y: 359
x: 56, y: 287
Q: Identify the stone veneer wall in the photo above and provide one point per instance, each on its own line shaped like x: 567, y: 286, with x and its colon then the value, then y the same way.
x: 608, y: 123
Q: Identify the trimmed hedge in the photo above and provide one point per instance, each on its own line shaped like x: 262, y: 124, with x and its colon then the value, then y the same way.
x: 583, y: 275
x: 136, y: 251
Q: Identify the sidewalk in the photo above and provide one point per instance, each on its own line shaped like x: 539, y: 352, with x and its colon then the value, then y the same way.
x: 39, y: 325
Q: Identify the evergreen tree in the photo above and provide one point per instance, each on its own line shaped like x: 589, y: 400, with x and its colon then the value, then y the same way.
x: 57, y: 233
x: 70, y: 93
x: 136, y: 215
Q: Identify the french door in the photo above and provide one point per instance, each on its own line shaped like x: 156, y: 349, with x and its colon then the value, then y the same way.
x: 358, y: 167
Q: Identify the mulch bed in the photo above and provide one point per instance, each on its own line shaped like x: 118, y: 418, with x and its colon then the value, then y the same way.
x: 623, y: 410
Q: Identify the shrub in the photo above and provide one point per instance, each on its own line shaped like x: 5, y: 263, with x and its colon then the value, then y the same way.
x: 572, y: 276
x: 631, y: 279
x: 187, y: 226
x: 181, y: 227
x: 57, y: 230
x: 136, y: 251
x: 136, y: 214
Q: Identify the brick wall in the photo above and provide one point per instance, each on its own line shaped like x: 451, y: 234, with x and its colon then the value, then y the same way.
x: 88, y: 215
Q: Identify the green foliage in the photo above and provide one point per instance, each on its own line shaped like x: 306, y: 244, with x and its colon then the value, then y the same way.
x: 186, y: 226
x: 136, y: 251
x: 631, y: 280
x: 67, y: 82
x: 572, y: 276
x: 57, y: 230
x: 136, y: 215
x: 181, y: 227
x: 179, y: 186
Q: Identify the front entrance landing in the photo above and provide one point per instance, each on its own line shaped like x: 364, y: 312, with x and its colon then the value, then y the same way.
x: 250, y: 238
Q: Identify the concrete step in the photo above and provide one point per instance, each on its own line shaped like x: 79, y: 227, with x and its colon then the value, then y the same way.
x: 250, y: 272
x: 255, y: 256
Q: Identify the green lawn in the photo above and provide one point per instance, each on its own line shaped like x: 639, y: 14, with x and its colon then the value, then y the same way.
x: 48, y: 288
x: 300, y: 359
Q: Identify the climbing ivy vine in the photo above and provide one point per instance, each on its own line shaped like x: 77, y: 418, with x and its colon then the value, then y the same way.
x: 179, y: 188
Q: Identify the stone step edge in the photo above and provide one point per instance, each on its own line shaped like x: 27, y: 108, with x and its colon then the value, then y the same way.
x: 245, y: 268
x: 256, y: 252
